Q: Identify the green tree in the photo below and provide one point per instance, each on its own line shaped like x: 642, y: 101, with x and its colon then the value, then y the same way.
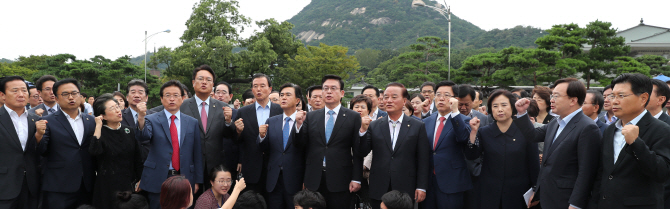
x: 312, y: 63
x: 479, y: 69
x: 605, y: 47
x: 10, y: 69
x: 658, y: 64
x: 214, y: 18
x: 368, y: 58
x: 630, y: 65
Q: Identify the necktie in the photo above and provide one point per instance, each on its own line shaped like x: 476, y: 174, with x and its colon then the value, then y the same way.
x: 393, y: 139
x: 203, y: 116
x: 287, y: 131
x: 175, y: 143
x: 439, y: 131
x: 51, y: 111
x: 329, y: 124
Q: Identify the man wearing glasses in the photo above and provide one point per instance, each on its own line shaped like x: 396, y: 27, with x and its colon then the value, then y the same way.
x: 44, y: 85
x: 427, y: 90
x: 68, y: 177
x: 34, y: 99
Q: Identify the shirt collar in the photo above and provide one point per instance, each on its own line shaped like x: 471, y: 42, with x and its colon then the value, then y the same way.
x: 54, y: 107
x: 336, y: 110
x: 68, y: 116
x: 10, y: 111
x: 292, y: 116
x: 199, y: 101
x: 266, y: 105
x: 132, y: 111
x: 567, y: 119
x: 658, y: 114
x: 399, y: 119
x: 607, y: 116
x: 168, y: 114
x: 634, y: 121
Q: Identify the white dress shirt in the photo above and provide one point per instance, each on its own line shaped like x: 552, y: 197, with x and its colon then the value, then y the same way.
x: 619, y: 139
x: 20, y: 125
x: 375, y: 114
x: 437, y: 122
x: 394, y: 131
x: 562, y: 122
x: 77, y: 125
x: 177, y: 122
x: 290, y: 123
x: 658, y: 114
x: 199, y: 101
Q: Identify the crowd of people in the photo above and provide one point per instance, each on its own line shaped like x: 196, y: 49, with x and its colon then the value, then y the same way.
x: 558, y: 146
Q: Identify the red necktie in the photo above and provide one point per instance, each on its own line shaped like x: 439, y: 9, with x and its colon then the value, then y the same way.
x: 439, y: 131
x: 175, y: 143
x: 203, y: 117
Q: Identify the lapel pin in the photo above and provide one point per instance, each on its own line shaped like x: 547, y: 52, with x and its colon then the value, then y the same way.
x: 86, y: 118
x: 33, y: 120
x: 407, y: 125
x: 513, y: 140
x: 344, y: 115
x: 213, y: 105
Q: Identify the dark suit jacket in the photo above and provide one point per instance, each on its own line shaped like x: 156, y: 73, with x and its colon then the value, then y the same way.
x: 475, y: 165
x: 448, y: 159
x: 251, y: 155
x: 381, y: 113
x: 341, y: 166
x: 403, y: 168
x: 636, y: 179
x: 155, y: 109
x: 67, y: 162
x: 16, y: 161
x: 602, y: 126
x: 430, y: 112
x: 569, y: 163
x: 510, y: 167
x: 41, y: 106
x: 129, y: 121
x: 665, y: 118
x: 213, y: 151
x: 157, y: 131
x: 289, y: 160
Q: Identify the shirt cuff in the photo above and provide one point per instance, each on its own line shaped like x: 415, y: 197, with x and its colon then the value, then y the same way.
x: 518, y: 116
x: 571, y: 205
x: 228, y: 124
x: 262, y: 138
x: 359, y: 183
x: 454, y: 114
x: 361, y: 134
x: 423, y: 190
x: 297, y: 129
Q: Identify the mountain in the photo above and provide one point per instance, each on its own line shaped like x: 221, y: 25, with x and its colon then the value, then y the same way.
x: 393, y: 24
x: 5, y: 60
x: 139, y: 60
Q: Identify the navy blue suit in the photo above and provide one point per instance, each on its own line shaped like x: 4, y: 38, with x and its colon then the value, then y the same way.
x: 157, y: 131
x: 69, y: 174
x: 449, y: 173
x: 287, y: 163
x: 602, y: 126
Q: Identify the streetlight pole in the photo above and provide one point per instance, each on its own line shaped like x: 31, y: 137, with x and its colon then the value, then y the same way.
x: 447, y: 15
x: 145, y: 50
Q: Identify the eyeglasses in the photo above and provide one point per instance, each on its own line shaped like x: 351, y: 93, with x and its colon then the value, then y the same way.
x: 221, y: 92
x: 229, y: 182
x: 172, y: 96
x: 554, y: 96
x: 619, y: 97
x: 114, y: 108
x: 427, y: 91
x: 35, y: 97
x: 327, y: 89
x: 202, y: 79
x: 439, y: 95
x: 74, y: 94
x: 46, y: 89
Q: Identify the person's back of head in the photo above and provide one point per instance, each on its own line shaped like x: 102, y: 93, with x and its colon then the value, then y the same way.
x: 307, y: 199
x: 128, y: 200
x: 85, y: 207
x: 250, y: 200
x: 396, y: 200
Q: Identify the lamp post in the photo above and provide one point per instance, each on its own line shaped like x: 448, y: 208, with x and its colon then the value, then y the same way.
x: 145, y: 50
x: 446, y: 14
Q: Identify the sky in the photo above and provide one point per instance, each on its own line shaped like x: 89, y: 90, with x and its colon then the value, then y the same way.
x: 112, y: 29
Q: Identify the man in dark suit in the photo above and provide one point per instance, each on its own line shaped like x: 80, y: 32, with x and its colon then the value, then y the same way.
x: 174, y: 133
x: 607, y: 116
x: 44, y: 87
x: 315, y: 98
x: 69, y: 174
x: 35, y: 98
x: 571, y: 147
x: 159, y: 108
x: 330, y: 136
x: 373, y: 93
x: 20, y: 180
x: 593, y: 103
x: 211, y: 120
x: 137, y: 96
x: 466, y: 96
x: 657, y: 100
x: 633, y: 173
x: 286, y: 164
x: 401, y: 148
x: 232, y: 152
x: 428, y: 92
x: 249, y: 119
x: 448, y: 133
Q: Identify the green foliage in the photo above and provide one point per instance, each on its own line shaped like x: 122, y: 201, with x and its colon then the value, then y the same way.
x: 605, y: 47
x: 214, y: 18
x: 658, y: 64
x: 630, y: 65
x: 368, y: 58
x: 10, y: 69
x: 312, y: 63
x: 518, y: 36
x: 5, y: 60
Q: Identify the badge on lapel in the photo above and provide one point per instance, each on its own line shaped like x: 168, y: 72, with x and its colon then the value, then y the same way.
x: 127, y: 131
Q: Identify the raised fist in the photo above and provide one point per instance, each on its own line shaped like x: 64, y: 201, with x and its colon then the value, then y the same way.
x: 41, y: 126
x: 365, y: 123
x: 300, y: 117
x: 39, y: 112
x: 141, y: 109
x: 521, y: 106
x: 228, y: 114
x: 239, y: 125
x: 474, y: 124
x: 263, y: 130
x: 236, y: 104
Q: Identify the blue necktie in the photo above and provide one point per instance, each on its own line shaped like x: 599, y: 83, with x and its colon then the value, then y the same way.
x: 287, y: 131
x: 329, y: 125
x: 51, y: 111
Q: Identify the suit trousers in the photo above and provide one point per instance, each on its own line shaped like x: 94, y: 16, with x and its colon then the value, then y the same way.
x: 436, y: 199
x: 334, y: 200
x: 279, y: 198
x: 60, y: 200
x: 25, y: 200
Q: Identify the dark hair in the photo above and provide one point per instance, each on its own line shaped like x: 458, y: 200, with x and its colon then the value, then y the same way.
x: 465, y: 90
x: 7, y: 79
x: 230, y: 88
x: 409, y: 106
x: 598, y: 99
x: 533, y: 109
x: 128, y: 200
x: 248, y: 94
x: 501, y: 92
x: 30, y: 87
x: 174, y: 83
x: 274, y: 91
x: 662, y: 89
x: 481, y: 96
x: 125, y: 101
x: 405, y: 94
x: 639, y: 83
x: 175, y: 193
x: 99, y: 104
x: 309, y: 199
x: 575, y: 89
x: 334, y: 77
x: 65, y: 81
x: 84, y: 95
x: 608, y: 87
x: 427, y: 83
x: 311, y: 89
x: 215, y: 170
x: 43, y: 79
x: 137, y: 82
x: 522, y: 94
x: 250, y: 200
x: 545, y: 94
x: 453, y: 86
x: 302, y: 104
x: 260, y: 75
x: 361, y: 98
x: 296, y: 90
x: 184, y: 91
x: 371, y: 87
x: 417, y: 95
x: 204, y: 67
x: 397, y: 200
